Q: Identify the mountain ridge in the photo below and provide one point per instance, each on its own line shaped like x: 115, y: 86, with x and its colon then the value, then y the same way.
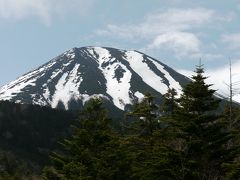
x: 72, y: 78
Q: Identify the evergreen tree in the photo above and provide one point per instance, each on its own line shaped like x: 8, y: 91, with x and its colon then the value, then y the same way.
x: 93, y: 152
x: 189, y: 140
x: 233, y: 168
x: 170, y: 104
x: 150, y: 157
x: 145, y: 113
x: 200, y: 135
x: 197, y: 97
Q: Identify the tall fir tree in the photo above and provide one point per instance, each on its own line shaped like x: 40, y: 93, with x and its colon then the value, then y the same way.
x: 93, y: 152
x: 145, y: 112
x: 197, y: 97
x: 202, y: 137
x: 151, y: 158
x: 170, y: 103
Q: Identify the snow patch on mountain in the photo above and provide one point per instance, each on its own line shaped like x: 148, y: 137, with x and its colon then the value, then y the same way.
x: 115, y: 74
x: 139, y: 65
x: 67, y: 88
x: 117, y: 89
x: 8, y: 92
x: 139, y: 95
x: 15, y: 87
x: 54, y: 74
x: 173, y: 83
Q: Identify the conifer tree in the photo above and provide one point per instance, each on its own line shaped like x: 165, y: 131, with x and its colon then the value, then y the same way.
x: 145, y: 113
x: 151, y: 158
x: 93, y: 152
x: 197, y: 97
x: 170, y: 104
x: 233, y: 168
x: 202, y: 137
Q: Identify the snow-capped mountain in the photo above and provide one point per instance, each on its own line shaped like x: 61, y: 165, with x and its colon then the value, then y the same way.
x: 75, y: 76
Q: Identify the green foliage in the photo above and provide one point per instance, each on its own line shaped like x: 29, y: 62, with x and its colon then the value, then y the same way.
x: 30, y: 132
x: 27, y: 134
x: 200, y: 136
x: 170, y: 104
x: 145, y: 113
x: 12, y: 167
x: 233, y: 168
x: 187, y: 140
x: 197, y: 97
x: 150, y: 157
x: 93, y: 152
x: 183, y: 139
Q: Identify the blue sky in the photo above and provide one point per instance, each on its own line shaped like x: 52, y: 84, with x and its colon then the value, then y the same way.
x: 177, y: 32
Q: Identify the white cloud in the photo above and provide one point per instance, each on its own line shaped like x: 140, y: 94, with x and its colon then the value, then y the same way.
x: 18, y: 9
x: 182, y: 43
x: 172, y: 29
x: 43, y: 9
x: 181, y: 19
x: 232, y: 40
x: 162, y: 22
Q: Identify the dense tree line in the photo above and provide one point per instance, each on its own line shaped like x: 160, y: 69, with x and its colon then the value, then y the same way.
x: 27, y: 134
x: 185, y: 138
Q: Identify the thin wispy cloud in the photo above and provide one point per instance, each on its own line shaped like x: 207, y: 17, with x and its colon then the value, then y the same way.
x: 182, y: 43
x: 174, y: 29
x: 232, y: 40
x: 42, y: 9
x: 162, y: 22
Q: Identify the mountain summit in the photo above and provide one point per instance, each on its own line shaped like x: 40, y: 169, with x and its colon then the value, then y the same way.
x: 72, y: 78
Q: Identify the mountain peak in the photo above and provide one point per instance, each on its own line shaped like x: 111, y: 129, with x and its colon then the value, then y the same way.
x: 72, y: 78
